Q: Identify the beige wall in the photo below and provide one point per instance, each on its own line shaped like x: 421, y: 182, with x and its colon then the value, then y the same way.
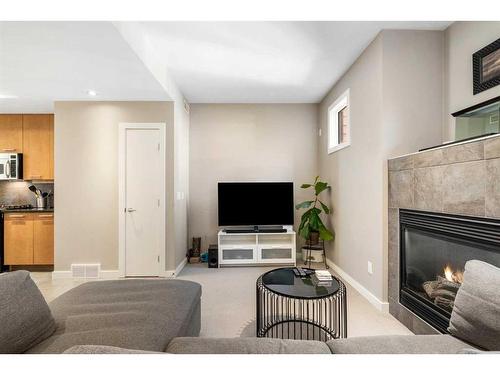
x: 355, y: 172
x: 462, y: 39
x: 247, y: 142
x: 86, y: 178
x: 391, y: 112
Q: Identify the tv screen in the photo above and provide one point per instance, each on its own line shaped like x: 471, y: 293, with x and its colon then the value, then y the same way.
x: 255, y: 203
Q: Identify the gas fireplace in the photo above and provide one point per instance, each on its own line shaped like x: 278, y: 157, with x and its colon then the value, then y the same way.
x: 433, y: 251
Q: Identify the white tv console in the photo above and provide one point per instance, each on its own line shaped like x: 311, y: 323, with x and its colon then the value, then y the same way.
x: 257, y: 248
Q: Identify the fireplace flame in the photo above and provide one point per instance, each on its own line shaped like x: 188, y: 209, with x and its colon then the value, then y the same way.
x: 453, y: 276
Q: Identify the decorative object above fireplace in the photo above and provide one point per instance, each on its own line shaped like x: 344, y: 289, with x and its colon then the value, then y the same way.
x: 434, y: 248
x: 486, y: 67
x: 479, y: 120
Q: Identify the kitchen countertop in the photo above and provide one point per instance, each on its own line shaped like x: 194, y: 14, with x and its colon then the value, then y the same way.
x: 28, y: 210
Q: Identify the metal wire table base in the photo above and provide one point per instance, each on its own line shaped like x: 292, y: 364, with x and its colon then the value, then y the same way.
x: 321, y: 318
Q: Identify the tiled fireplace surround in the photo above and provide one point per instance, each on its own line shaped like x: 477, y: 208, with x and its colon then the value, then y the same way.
x: 457, y: 179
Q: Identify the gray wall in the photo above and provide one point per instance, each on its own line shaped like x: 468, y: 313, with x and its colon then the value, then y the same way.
x: 247, y: 142
x: 395, y: 107
x: 462, y: 39
x: 86, y: 178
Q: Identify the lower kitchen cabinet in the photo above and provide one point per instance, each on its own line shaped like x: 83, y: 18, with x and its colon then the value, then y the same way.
x: 43, y: 238
x: 18, y: 239
x: 29, y: 238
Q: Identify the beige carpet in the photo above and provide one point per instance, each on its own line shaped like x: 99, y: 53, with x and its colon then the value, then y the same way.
x: 228, y: 304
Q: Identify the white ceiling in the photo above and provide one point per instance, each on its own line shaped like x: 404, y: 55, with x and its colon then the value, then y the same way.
x: 260, y: 62
x: 211, y: 62
x: 45, y: 61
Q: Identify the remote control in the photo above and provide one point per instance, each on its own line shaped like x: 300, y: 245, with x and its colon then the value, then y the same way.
x: 302, y: 273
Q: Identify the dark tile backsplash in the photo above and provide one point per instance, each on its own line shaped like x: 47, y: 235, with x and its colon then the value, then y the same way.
x: 17, y: 193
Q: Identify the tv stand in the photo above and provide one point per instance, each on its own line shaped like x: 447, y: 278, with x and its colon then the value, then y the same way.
x: 257, y: 229
x: 245, y: 246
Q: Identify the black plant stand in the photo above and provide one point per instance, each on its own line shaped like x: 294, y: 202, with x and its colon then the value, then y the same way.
x: 309, y: 248
x: 291, y: 307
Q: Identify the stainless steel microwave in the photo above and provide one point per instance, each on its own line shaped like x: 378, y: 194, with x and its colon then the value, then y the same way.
x: 11, y: 166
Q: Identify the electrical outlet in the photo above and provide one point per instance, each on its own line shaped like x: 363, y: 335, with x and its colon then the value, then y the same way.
x: 370, y: 268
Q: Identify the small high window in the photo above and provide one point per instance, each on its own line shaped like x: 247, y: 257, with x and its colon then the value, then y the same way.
x: 339, y: 132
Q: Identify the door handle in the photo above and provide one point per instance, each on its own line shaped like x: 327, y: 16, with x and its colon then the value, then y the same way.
x: 7, y: 169
x: 130, y: 209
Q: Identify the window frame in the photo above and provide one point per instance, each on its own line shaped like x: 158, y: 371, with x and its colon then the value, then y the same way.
x: 336, y: 107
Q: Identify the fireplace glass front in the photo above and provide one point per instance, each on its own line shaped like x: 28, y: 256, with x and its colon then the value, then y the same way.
x: 434, y: 250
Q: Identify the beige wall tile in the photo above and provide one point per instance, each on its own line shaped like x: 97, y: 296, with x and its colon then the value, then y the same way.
x: 464, y: 152
x: 492, y: 148
x: 428, y: 158
x: 464, y: 188
x: 401, y: 189
x: 429, y: 189
x: 493, y: 188
x: 402, y: 163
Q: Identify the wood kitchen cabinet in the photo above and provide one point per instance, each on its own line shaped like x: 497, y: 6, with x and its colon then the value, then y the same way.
x: 18, y: 239
x: 38, y: 147
x: 29, y: 238
x: 11, y: 133
x: 43, y: 238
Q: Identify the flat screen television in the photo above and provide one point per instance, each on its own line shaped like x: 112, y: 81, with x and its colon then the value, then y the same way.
x: 255, y: 203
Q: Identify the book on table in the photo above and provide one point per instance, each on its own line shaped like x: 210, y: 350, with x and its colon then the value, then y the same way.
x: 323, y: 275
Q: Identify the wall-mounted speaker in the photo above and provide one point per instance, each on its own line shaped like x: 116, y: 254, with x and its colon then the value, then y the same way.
x: 213, y: 256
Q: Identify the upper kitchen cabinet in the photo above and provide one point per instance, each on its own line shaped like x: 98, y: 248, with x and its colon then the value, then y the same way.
x: 38, y: 147
x: 11, y: 133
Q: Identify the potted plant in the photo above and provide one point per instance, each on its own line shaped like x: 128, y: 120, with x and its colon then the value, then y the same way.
x: 311, y: 226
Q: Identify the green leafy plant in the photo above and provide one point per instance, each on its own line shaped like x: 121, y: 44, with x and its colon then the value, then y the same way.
x: 311, y: 221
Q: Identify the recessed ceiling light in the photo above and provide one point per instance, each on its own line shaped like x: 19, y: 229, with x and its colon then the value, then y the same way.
x: 92, y: 93
x: 7, y: 96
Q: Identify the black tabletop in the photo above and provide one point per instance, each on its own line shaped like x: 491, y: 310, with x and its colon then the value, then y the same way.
x: 283, y: 281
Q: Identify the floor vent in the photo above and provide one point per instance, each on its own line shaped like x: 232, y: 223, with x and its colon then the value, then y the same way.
x: 86, y: 271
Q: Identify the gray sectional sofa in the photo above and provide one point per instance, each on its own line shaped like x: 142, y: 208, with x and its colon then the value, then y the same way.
x: 133, y: 314
x: 163, y: 316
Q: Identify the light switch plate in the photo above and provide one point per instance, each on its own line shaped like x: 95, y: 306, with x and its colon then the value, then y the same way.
x: 370, y: 268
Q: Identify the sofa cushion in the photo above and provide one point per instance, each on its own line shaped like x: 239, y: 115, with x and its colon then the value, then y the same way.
x: 398, y: 344
x: 476, y: 313
x: 102, y: 349
x: 25, y: 318
x: 246, y: 345
x: 133, y: 314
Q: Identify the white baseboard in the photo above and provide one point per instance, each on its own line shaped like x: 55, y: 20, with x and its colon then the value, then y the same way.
x: 380, y: 305
x: 177, y: 271
x: 104, y: 275
x: 180, y: 267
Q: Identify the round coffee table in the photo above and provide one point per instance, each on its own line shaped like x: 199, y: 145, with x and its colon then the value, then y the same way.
x: 292, y: 307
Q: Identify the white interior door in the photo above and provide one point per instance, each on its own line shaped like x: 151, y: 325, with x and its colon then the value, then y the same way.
x: 143, y: 189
